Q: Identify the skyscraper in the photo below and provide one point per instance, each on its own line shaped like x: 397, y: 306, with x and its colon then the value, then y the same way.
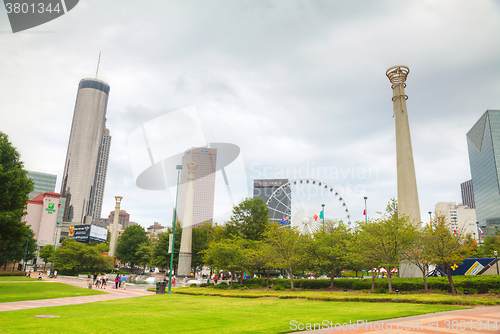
x: 100, y: 177
x: 483, y: 142
x: 281, y: 202
x: 204, y: 184
x: 85, y: 141
x: 467, y: 191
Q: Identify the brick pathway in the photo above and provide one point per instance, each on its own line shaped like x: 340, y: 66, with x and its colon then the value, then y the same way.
x: 113, y: 294
x: 478, y: 320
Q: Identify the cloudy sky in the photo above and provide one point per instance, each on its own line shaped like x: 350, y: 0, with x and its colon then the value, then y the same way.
x: 299, y: 86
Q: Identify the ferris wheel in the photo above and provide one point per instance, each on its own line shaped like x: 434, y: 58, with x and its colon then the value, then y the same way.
x: 306, y: 204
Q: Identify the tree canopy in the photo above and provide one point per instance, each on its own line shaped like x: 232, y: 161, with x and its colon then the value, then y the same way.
x: 15, y: 187
x: 129, y: 243
x: 249, y: 219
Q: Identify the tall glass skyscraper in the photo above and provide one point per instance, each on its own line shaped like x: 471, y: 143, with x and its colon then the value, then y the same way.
x: 483, y: 142
x: 204, y: 184
x: 265, y: 188
x: 100, y: 177
x: 82, y: 157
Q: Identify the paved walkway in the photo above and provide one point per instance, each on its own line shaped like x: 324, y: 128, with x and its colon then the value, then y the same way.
x: 478, y: 320
x: 130, y: 292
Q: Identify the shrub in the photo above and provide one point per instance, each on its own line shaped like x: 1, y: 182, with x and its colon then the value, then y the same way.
x: 279, y: 287
x: 194, y: 285
x: 12, y: 273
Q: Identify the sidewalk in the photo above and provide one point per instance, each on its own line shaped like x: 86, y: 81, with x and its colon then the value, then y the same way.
x: 478, y: 320
x: 113, y: 294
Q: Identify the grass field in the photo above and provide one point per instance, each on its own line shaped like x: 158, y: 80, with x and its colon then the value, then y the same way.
x: 14, y: 292
x: 428, y: 298
x: 179, y: 313
x: 16, y: 278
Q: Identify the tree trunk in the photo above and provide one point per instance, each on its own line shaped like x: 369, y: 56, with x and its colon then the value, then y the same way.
x: 332, y: 276
x: 426, y: 287
x: 356, y: 273
x: 373, y: 280
x: 291, y: 277
x: 389, y: 281
x: 450, y: 279
x: 267, y: 278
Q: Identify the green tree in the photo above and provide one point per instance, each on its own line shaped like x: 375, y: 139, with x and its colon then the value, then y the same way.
x: 292, y: 249
x: 262, y: 256
x: 15, y: 187
x: 161, y: 257
x: 446, y: 248
x: 249, y: 220
x: 46, y: 253
x: 130, y: 240
x: 202, y: 237
x: 418, y: 254
x: 228, y: 255
x: 145, y: 254
x: 386, y: 239
x: 71, y: 255
x: 490, y: 244
x: 332, y: 249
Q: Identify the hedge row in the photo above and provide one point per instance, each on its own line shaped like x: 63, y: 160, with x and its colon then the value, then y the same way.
x: 476, y: 284
x: 12, y: 273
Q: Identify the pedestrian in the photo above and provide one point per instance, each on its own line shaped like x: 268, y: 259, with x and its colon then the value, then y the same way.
x: 28, y: 274
x: 215, y: 279
x: 106, y: 280
x: 94, y: 278
x: 116, y: 281
x: 39, y: 276
x: 173, y: 280
x: 119, y: 281
x: 124, y: 281
x: 98, y: 281
x: 55, y: 273
x: 208, y: 279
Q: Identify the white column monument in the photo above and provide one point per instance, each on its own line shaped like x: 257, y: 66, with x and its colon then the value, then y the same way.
x: 114, y: 232
x: 184, y: 268
x: 407, y: 182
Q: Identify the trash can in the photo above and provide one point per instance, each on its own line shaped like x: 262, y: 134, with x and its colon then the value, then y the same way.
x: 160, y: 288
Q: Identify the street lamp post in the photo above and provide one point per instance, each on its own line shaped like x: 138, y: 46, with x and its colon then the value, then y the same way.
x: 54, y: 250
x: 26, y: 251
x: 323, y: 214
x: 178, y: 167
x: 366, y: 213
x: 496, y: 260
x: 430, y: 219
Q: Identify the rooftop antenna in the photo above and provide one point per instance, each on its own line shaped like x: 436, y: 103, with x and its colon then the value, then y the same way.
x: 98, y: 61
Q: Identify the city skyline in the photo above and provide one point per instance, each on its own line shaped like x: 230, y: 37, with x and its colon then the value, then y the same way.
x: 299, y: 87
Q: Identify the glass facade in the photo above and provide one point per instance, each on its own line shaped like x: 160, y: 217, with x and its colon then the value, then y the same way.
x: 82, y: 157
x: 281, y: 201
x: 100, y: 177
x: 483, y: 142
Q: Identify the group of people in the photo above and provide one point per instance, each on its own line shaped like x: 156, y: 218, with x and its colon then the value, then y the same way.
x: 54, y: 274
x: 120, y: 281
x: 100, y: 281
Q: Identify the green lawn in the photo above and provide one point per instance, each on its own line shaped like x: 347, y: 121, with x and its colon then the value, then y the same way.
x: 178, y: 313
x: 16, y: 278
x: 14, y: 292
x: 427, y: 298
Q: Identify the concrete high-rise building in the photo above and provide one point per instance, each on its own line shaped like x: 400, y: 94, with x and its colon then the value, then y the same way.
x: 461, y: 219
x: 467, y: 191
x: 82, y: 157
x: 46, y: 183
x: 407, y: 182
x: 123, y: 218
x: 483, y: 142
x: 100, y: 176
x: 204, y: 185
x: 281, y: 202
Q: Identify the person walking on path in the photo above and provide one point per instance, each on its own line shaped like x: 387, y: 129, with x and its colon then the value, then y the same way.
x: 124, y: 281
x: 39, y: 276
x: 55, y: 273
x: 28, y: 274
x: 94, y: 279
x: 98, y: 281
x: 117, y: 279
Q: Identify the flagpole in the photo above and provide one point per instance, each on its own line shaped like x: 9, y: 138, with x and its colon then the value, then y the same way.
x: 366, y: 213
x: 323, y: 212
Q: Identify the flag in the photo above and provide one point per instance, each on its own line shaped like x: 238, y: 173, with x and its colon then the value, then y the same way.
x: 364, y: 212
x: 284, y: 221
x: 315, y: 217
x: 321, y: 216
x: 480, y: 231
